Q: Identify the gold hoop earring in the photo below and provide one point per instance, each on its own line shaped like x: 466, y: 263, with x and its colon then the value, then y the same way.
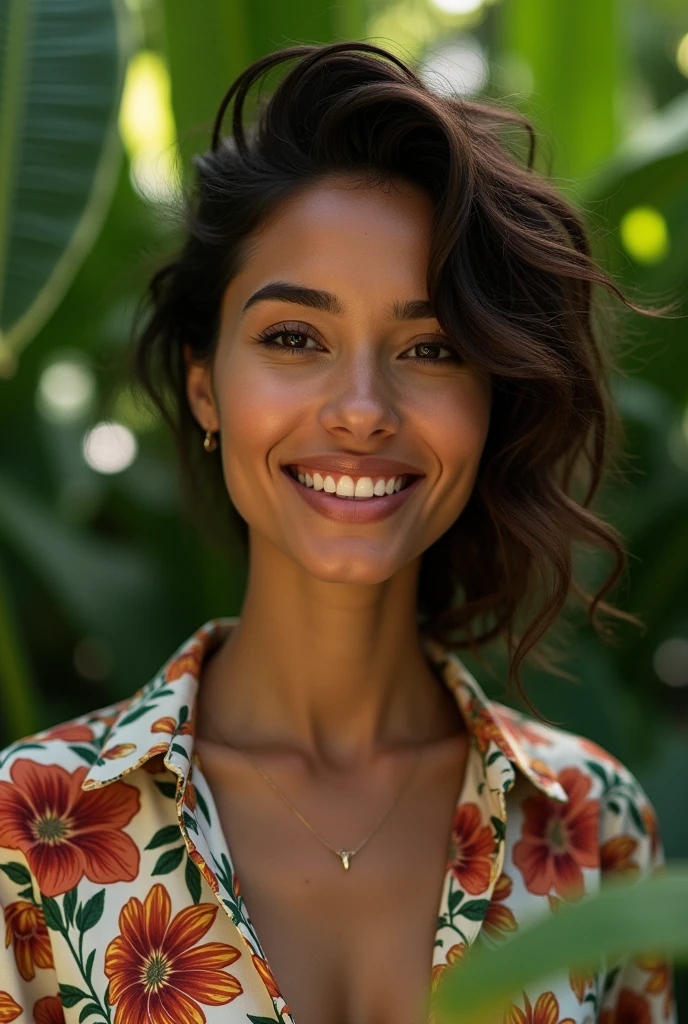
x: 210, y: 441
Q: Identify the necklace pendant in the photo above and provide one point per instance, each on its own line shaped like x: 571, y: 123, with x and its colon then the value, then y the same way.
x: 345, y: 854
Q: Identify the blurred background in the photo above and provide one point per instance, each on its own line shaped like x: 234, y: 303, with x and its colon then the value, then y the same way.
x: 102, y: 106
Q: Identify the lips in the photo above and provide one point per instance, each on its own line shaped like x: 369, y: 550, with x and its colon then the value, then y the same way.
x: 345, y: 507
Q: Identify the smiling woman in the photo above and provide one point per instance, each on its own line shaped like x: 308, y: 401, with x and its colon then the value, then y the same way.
x: 377, y: 351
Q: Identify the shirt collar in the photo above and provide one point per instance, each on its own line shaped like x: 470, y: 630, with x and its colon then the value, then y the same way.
x: 158, y: 719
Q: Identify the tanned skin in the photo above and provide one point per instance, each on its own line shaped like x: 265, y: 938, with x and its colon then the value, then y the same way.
x: 324, y: 681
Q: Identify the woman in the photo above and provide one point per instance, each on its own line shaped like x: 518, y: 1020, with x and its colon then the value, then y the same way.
x: 378, y: 337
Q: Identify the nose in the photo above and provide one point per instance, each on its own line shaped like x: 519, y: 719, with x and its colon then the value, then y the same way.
x: 360, y: 404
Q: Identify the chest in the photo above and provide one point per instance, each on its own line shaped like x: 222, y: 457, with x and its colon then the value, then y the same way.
x: 343, y: 945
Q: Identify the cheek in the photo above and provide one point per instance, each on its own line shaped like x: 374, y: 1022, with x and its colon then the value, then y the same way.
x: 456, y: 425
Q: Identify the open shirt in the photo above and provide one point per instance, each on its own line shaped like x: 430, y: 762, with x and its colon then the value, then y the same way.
x: 122, y: 905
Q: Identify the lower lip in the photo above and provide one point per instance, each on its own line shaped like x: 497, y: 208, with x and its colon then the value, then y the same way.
x: 353, y: 510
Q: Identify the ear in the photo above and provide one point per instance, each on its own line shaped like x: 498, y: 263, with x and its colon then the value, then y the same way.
x: 199, y: 391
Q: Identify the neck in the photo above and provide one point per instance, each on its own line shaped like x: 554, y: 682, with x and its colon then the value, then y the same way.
x: 334, y: 670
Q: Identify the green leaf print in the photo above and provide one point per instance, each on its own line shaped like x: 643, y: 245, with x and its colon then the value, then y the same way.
x: 90, y: 915
x: 169, y: 860
x: 166, y: 834
x: 192, y: 877
x: 71, y: 995
x: 16, y: 873
x: 69, y: 905
x: 474, y: 910
x: 52, y: 915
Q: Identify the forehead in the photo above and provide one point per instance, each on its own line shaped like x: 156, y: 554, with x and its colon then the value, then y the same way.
x: 345, y: 234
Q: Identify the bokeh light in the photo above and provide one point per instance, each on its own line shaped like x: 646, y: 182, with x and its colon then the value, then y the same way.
x: 457, y: 6
x: 670, y: 661
x: 66, y: 391
x: 682, y: 55
x: 147, y: 128
x: 644, y: 234
x: 109, y: 447
x: 458, y: 67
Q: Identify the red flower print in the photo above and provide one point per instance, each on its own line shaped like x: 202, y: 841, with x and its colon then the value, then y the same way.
x: 266, y: 974
x: 25, y: 929
x: 545, y: 1011
x: 48, y: 1010
x: 69, y: 733
x: 64, y: 832
x: 557, y: 840
x: 500, y: 919
x: 598, y: 752
x: 660, y: 979
x: 523, y: 731
x: 472, y: 849
x: 157, y: 972
x: 9, y: 1010
x: 631, y: 1008
x: 616, y: 853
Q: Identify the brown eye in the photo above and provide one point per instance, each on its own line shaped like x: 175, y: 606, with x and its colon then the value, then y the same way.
x: 431, y: 352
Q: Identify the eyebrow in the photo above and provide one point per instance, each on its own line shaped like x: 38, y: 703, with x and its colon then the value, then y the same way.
x: 326, y: 302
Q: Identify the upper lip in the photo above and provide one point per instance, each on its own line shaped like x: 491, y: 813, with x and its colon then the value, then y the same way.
x: 356, y: 465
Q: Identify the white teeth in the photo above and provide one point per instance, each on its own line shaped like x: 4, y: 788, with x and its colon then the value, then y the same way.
x: 346, y: 487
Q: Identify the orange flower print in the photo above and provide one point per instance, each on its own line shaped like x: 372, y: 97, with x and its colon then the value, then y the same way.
x: 69, y: 733
x: 189, y: 661
x: 25, y: 929
x: 500, y: 919
x: 169, y: 724
x: 205, y: 870
x: 545, y: 1011
x: 631, y: 1008
x: 266, y: 974
x: 455, y: 954
x: 48, y: 1010
x: 486, y: 729
x: 119, y: 750
x: 616, y: 854
x: 652, y: 828
x: 660, y: 979
x: 157, y: 972
x: 558, y: 840
x: 65, y: 832
x: 155, y: 763
x: 9, y: 1010
x: 472, y: 848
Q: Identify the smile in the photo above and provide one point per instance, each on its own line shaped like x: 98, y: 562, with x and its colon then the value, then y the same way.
x: 350, y: 499
x: 341, y: 485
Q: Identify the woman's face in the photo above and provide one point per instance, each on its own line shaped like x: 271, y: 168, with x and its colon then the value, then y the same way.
x: 331, y: 370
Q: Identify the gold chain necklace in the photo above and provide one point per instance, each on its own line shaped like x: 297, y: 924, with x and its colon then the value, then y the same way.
x: 344, y: 855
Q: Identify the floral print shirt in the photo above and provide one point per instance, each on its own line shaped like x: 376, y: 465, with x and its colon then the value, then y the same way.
x: 121, y: 904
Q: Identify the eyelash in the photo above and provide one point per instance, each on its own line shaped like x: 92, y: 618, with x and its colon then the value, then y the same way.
x: 267, y: 338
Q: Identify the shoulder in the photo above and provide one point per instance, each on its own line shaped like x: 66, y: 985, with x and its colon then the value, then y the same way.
x: 600, y: 789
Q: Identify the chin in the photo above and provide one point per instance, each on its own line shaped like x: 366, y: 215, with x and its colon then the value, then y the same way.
x: 346, y: 566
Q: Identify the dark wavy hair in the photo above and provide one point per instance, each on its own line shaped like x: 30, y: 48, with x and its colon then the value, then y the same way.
x: 510, y: 280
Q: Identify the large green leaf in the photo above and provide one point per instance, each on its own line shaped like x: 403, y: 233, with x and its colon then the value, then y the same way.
x: 623, y: 920
x: 61, y: 75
